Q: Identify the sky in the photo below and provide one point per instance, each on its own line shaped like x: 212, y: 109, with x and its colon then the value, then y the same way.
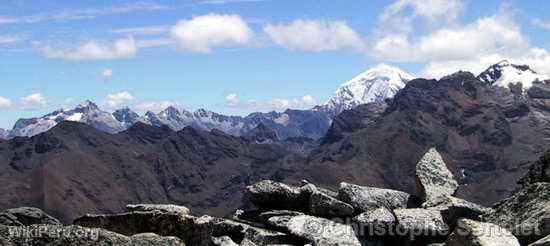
x: 241, y: 56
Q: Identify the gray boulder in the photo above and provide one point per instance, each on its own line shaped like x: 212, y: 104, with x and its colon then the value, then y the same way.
x: 75, y: 235
x: 223, y: 241
x: 270, y: 194
x: 163, y: 208
x: 26, y: 216
x: 379, y: 216
x: 422, y: 222
x: 368, y: 198
x: 542, y: 242
x: 474, y: 233
x: 526, y: 214
x: 434, y: 178
x: 192, y: 230
x: 452, y: 209
x: 324, y: 205
x: 321, y: 232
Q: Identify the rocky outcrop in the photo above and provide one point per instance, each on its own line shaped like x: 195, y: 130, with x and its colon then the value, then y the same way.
x: 379, y: 216
x: 475, y: 233
x: 272, y: 194
x: 318, y: 230
x: 164, y: 208
x: 542, y: 242
x: 426, y: 222
x: 435, y: 179
x: 25, y: 216
x: 368, y: 198
x: 526, y: 214
x: 325, y: 205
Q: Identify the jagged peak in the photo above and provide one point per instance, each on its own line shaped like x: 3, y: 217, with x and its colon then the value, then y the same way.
x: 87, y: 104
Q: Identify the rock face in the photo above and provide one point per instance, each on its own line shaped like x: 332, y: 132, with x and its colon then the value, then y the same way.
x: 542, y: 242
x: 474, y: 233
x: 379, y: 216
x: 436, y: 181
x: 526, y: 214
x: 319, y: 231
x: 539, y: 171
x: 26, y: 216
x: 325, y: 205
x: 425, y: 221
x: 368, y: 198
x: 276, y: 195
x: 164, y: 208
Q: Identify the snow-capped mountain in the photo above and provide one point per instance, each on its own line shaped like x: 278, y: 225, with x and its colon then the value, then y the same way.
x: 127, y: 117
x: 87, y: 112
x: 505, y: 73
x: 4, y: 134
x: 374, y: 85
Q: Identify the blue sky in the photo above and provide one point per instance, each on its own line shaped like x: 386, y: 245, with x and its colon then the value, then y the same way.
x: 240, y: 56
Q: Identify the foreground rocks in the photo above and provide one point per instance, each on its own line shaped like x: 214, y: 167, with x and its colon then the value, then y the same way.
x: 309, y: 215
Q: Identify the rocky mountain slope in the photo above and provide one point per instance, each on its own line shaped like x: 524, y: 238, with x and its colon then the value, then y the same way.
x: 485, y: 134
x: 4, y: 134
x: 74, y: 169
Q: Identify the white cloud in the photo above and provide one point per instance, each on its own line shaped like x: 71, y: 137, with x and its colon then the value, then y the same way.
x: 92, y: 50
x: 5, y: 102
x: 80, y: 14
x: 202, y: 34
x: 107, y: 73
x: 314, y: 35
x: 143, y: 30
x: 232, y: 100
x: 433, y: 10
x: 33, y: 101
x: 154, y: 106
x: 117, y: 99
x: 541, y: 23
x: 10, y: 39
x: 306, y: 101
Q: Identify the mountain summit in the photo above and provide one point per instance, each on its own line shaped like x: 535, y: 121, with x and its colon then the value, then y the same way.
x: 374, y: 85
x: 505, y: 73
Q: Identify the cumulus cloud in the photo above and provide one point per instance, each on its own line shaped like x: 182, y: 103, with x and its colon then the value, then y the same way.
x: 32, y: 101
x: 118, y: 99
x: 92, y: 50
x: 154, y: 106
x: 107, y: 73
x: 314, y: 35
x: 446, y: 49
x: 5, y: 103
x: 202, y: 34
x: 541, y: 23
x: 232, y: 100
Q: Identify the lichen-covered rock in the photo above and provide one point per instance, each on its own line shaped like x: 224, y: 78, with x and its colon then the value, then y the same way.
x: 260, y: 236
x: 434, y: 178
x: 452, y: 209
x: 26, y: 216
x: 151, y: 239
x: 474, y: 233
x: 163, y: 208
x: 264, y: 216
x: 324, y: 205
x: 368, y: 198
x: 269, y: 194
x: 322, y: 232
x: 59, y: 235
x: 542, y: 242
x: 192, y: 230
x: 526, y: 214
x: 424, y: 222
x: 379, y: 216
x: 223, y: 241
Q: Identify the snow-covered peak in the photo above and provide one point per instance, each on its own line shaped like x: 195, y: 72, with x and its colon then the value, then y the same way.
x: 374, y: 85
x: 505, y: 73
x: 87, y: 105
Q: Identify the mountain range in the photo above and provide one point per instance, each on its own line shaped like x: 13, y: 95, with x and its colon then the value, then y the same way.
x: 486, y: 134
x: 377, y: 84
